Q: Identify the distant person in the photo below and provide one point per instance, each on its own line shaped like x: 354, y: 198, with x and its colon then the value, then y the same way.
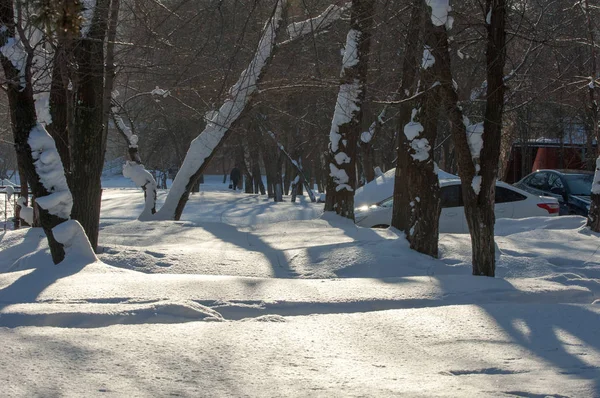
x: 235, y: 176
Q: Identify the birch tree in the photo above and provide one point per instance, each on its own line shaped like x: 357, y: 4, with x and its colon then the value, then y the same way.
x: 347, y: 117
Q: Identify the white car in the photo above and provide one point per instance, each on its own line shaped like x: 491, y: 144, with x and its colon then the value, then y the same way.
x: 511, y: 202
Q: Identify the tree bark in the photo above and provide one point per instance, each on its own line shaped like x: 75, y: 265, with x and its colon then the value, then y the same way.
x: 61, y: 107
x: 347, y: 119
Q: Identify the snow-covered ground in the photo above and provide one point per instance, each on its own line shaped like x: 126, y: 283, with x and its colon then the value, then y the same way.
x: 247, y: 297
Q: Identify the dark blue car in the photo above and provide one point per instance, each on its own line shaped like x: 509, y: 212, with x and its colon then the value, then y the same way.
x: 572, y: 188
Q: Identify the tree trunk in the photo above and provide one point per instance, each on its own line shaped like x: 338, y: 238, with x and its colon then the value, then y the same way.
x: 278, y: 183
x: 88, y: 143
x: 478, y: 171
x: 420, y: 185
x: 347, y: 119
x: 402, y: 214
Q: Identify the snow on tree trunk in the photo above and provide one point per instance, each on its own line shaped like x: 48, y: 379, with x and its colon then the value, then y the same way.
x: 217, y: 128
x: 78, y: 250
x: 347, y: 117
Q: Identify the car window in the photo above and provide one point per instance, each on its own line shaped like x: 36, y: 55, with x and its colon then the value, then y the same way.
x: 539, y: 181
x: 451, y: 196
x: 580, y: 184
x: 389, y: 202
x: 505, y: 195
x: 554, y: 182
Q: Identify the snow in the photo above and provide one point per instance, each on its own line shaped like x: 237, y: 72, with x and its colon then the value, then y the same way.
x: 216, y: 127
x: 42, y: 107
x: 596, y: 182
x: 51, y: 172
x: 87, y: 16
x: 341, y: 158
x: 26, y: 212
x: 474, y: 137
x: 350, y: 57
x: 382, y: 188
x: 340, y: 177
x: 439, y: 11
x: 421, y: 149
x: 345, y: 106
x: 488, y: 17
x: 132, y: 139
x: 367, y: 136
x: 326, y: 18
x: 142, y: 178
x: 419, y: 146
x: 248, y: 297
x: 428, y: 58
x: 412, y: 128
x: 159, y: 92
x: 476, y: 184
x: 77, y: 246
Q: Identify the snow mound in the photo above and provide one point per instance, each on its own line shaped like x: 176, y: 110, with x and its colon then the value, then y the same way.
x: 506, y: 226
x: 92, y: 315
x: 77, y: 246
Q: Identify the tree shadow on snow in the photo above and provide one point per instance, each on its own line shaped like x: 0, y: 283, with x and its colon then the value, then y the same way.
x: 558, y: 334
x: 247, y: 241
x: 555, y: 333
x: 28, y: 287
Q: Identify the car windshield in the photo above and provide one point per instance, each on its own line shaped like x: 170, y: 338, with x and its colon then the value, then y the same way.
x: 580, y: 184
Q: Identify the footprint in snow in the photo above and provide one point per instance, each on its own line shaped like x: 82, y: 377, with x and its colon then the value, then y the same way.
x: 155, y: 254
